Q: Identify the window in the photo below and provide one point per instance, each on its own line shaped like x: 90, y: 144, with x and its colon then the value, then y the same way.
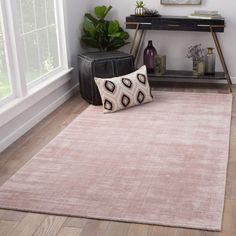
x: 38, y: 31
x: 5, y: 87
x: 36, y: 44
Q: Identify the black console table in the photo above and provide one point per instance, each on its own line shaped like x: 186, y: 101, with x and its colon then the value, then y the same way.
x: 176, y: 23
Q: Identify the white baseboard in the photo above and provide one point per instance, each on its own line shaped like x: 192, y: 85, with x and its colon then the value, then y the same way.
x: 11, y: 138
x: 233, y: 80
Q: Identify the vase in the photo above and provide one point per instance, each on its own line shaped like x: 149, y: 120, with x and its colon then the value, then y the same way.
x: 210, y: 62
x: 198, y: 67
x: 160, y: 65
x: 139, y: 11
x: 149, y: 57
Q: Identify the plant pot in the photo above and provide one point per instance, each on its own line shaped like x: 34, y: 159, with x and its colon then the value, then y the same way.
x: 199, y: 67
x: 139, y: 11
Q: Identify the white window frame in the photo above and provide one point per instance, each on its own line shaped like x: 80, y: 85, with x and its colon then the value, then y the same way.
x: 7, y: 47
x: 14, y: 47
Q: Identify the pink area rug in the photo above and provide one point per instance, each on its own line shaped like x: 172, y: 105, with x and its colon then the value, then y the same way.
x: 161, y: 163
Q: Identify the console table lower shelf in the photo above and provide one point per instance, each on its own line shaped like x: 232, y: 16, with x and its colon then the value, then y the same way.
x: 177, y: 74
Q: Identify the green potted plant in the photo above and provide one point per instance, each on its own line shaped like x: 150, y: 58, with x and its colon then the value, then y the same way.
x: 140, y: 9
x: 103, y: 34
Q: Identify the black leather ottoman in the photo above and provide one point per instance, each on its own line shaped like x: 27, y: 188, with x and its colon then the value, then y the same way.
x: 103, y: 65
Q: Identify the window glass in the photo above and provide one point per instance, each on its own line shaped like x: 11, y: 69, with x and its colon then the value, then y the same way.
x: 38, y: 31
x: 5, y: 88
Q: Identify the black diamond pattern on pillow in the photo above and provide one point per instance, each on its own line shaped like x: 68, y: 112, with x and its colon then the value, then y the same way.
x: 127, y: 82
x: 140, y: 97
x: 125, y: 100
x: 108, y: 105
x: 110, y: 86
x: 142, y: 78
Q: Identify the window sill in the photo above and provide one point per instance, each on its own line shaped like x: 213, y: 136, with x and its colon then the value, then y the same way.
x: 35, y: 94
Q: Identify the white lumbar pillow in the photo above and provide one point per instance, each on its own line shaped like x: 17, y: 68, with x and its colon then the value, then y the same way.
x: 124, y: 91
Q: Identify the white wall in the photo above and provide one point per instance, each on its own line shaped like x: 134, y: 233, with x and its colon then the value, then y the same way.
x: 75, y: 15
x: 174, y: 44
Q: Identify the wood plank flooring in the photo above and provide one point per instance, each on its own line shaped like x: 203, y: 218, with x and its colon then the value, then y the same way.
x: 15, y: 223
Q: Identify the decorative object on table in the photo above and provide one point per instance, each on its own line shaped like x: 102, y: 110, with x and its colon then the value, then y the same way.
x: 160, y: 64
x: 198, y: 67
x: 140, y: 9
x: 202, y: 14
x: 101, y: 64
x: 181, y: 2
x: 146, y: 12
x: 210, y: 59
x: 103, y: 34
x: 149, y: 57
x: 197, y: 54
x: 124, y: 91
x: 151, y: 12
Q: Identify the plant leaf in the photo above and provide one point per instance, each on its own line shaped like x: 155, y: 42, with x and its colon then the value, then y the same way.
x: 91, y: 18
x: 89, y: 27
x: 124, y: 35
x: 108, y: 9
x: 91, y: 42
x: 112, y: 47
x: 100, y: 11
x: 116, y: 43
x: 113, y: 27
x: 115, y: 35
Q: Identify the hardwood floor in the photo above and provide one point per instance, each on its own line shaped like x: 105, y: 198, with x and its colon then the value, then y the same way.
x: 24, y: 224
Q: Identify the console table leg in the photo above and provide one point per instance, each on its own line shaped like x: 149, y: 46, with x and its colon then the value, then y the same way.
x: 137, y: 41
x: 220, y: 53
x: 138, y: 45
x: 132, y: 49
